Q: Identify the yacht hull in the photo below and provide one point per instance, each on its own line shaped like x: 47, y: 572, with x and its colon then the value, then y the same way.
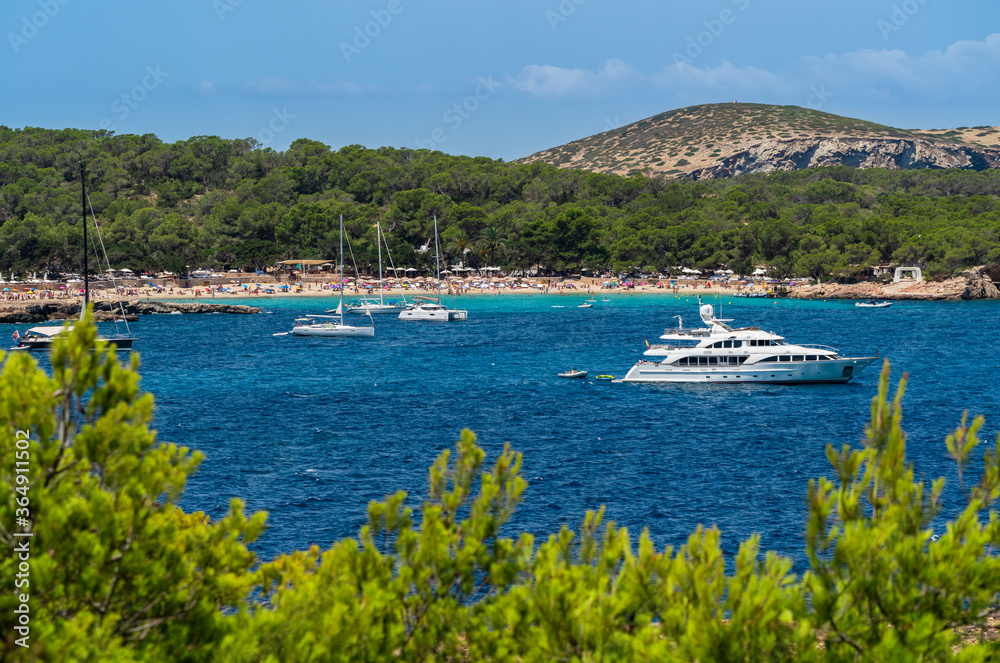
x: 46, y: 344
x: 333, y: 330
x: 812, y: 372
x: 376, y: 309
x: 447, y: 315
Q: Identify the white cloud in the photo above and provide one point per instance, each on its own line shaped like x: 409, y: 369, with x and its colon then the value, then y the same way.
x: 547, y: 81
x: 955, y: 76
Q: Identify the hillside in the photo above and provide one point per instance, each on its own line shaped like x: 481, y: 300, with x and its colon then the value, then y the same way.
x: 723, y: 140
x: 209, y: 202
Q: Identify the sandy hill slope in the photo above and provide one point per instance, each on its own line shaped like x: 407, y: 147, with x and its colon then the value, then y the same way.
x: 722, y: 140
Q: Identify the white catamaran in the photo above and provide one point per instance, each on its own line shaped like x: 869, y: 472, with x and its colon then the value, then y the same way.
x: 431, y: 308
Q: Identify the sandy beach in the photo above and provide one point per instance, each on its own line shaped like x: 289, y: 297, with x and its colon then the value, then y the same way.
x: 220, y: 292
x: 582, y: 288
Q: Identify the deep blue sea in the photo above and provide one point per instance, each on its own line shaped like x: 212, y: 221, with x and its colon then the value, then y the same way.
x: 312, y: 430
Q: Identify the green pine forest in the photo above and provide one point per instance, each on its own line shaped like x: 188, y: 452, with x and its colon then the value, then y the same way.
x: 231, y: 204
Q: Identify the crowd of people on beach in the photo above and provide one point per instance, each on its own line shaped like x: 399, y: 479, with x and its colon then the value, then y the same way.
x: 453, y: 287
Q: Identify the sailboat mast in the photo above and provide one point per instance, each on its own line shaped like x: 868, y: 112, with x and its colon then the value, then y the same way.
x: 341, y: 307
x: 83, y: 209
x: 378, y: 240
x: 437, y: 257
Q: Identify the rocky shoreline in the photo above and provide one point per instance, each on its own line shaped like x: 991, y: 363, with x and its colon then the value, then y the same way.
x: 19, y: 312
x: 975, y: 283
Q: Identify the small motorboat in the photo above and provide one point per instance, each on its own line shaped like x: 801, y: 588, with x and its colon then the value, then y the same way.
x: 871, y: 303
x: 586, y: 305
x: 573, y: 373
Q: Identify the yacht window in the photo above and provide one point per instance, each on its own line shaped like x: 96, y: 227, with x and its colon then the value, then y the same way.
x: 797, y: 358
x: 734, y: 361
x: 785, y: 358
x: 703, y: 361
x: 770, y: 359
x: 683, y: 361
x: 810, y: 357
x: 737, y: 344
x: 727, y: 344
x: 753, y: 343
x: 824, y: 358
x: 713, y: 361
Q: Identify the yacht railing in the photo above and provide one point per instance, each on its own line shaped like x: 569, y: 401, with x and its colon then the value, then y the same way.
x: 672, y: 346
x: 687, y: 332
x: 816, y: 346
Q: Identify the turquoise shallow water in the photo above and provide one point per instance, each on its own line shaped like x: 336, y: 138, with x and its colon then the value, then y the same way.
x: 311, y: 430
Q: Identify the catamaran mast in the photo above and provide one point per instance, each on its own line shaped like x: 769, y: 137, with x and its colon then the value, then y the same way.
x: 378, y: 240
x: 437, y: 257
x: 341, y: 307
x: 83, y: 208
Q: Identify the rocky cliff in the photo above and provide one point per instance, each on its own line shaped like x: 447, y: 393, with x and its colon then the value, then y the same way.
x: 722, y: 140
x: 41, y: 311
x: 973, y: 283
x: 889, y: 153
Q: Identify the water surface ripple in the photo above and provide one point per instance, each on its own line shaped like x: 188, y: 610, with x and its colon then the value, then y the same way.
x: 311, y: 430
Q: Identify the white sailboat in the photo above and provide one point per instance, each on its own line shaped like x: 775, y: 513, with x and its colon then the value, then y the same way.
x: 431, y: 308
x: 370, y: 306
x: 323, y: 325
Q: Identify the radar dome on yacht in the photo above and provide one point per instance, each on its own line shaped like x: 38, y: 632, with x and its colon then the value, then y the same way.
x: 707, y: 311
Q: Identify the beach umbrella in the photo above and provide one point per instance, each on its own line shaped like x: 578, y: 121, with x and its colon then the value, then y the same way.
x: 6, y: 289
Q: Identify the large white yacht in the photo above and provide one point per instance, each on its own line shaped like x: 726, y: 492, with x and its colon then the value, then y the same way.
x: 720, y: 353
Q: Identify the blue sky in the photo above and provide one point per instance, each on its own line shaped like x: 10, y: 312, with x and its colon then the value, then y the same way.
x: 499, y: 79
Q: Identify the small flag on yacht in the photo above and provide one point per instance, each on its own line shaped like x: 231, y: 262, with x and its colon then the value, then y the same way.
x: 16, y: 335
x: 647, y: 342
